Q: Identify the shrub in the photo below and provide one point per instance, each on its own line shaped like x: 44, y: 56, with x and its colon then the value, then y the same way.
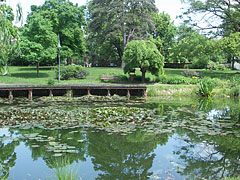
x: 235, y: 81
x: 235, y: 91
x: 221, y: 67
x: 81, y: 74
x: 71, y: 72
x: 51, y: 82
x: 205, y: 88
x: 216, y: 66
x: 211, y: 65
x: 191, y: 74
x: 176, y: 79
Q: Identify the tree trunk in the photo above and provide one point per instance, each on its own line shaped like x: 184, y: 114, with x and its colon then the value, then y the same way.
x: 143, y: 74
x: 123, y: 31
x: 37, y: 65
x: 233, y: 62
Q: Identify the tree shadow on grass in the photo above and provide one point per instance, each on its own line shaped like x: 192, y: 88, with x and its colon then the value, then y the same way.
x: 35, y: 69
x: 29, y: 75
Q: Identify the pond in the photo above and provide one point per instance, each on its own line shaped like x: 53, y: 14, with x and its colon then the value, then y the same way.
x: 115, y: 138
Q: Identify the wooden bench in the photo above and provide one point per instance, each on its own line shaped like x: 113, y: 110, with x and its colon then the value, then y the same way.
x: 109, y: 78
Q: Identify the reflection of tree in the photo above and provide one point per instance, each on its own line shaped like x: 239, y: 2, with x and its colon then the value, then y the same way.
x: 123, y: 157
x: 62, y: 137
x: 7, y: 157
x: 210, y: 157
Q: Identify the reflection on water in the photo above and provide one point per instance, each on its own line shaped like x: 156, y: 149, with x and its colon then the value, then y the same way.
x: 194, y: 140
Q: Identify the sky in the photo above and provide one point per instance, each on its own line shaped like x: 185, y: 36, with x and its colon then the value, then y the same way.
x: 171, y: 7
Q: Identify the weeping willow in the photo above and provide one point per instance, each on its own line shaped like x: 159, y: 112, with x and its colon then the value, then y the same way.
x: 9, y: 35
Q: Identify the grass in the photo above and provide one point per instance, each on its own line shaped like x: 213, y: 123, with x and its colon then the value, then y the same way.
x: 28, y: 75
x: 222, y: 79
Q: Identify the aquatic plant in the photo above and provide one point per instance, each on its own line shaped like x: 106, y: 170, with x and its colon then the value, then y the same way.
x: 205, y: 89
x: 64, y: 171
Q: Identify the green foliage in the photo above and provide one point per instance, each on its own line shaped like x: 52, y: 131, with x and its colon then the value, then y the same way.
x: 176, y: 79
x: 81, y: 74
x: 192, y: 47
x: 235, y: 86
x: 205, y: 88
x: 235, y: 81
x: 191, y: 74
x: 216, y: 66
x: 9, y: 36
x: 71, y: 72
x: 116, y: 23
x: 143, y: 54
x: 63, y: 170
x: 164, y: 33
x: 231, y: 46
x: 51, y: 82
x: 235, y: 91
x: 45, y: 23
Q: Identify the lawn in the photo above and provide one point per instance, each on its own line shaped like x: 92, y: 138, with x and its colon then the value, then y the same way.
x: 28, y: 75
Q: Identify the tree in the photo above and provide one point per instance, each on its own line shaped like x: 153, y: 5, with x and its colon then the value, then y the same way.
x: 120, y: 21
x: 223, y: 16
x: 143, y: 54
x: 39, y: 42
x: 9, y: 37
x: 66, y: 20
x: 231, y: 46
x: 164, y: 33
x: 192, y: 47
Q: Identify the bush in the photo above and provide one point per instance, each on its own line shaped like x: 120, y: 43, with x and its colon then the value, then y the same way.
x: 81, y: 74
x: 235, y: 91
x: 191, y: 74
x: 71, y: 72
x: 51, y: 82
x: 216, y: 66
x: 176, y: 79
x: 221, y: 67
x: 235, y: 81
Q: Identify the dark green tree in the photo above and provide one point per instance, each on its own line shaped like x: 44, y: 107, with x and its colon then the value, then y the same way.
x: 120, y: 21
x: 39, y: 42
x: 164, y: 33
x: 191, y: 46
x: 143, y: 54
x: 230, y: 45
x: 63, y: 18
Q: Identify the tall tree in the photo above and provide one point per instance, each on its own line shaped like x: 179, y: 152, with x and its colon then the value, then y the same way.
x: 231, y: 47
x: 192, y: 47
x: 123, y: 20
x: 221, y: 15
x: 39, y: 42
x: 66, y: 20
x: 165, y: 32
x: 9, y: 36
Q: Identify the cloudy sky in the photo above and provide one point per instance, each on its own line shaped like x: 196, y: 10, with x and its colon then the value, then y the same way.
x: 172, y: 7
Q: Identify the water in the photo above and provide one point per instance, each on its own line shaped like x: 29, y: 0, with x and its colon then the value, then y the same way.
x: 188, y: 139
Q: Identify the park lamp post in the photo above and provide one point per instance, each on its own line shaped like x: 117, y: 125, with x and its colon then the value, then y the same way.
x: 59, y: 47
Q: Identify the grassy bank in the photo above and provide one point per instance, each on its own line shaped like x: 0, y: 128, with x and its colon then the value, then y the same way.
x: 172, y: 83
x: 28, y: 75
